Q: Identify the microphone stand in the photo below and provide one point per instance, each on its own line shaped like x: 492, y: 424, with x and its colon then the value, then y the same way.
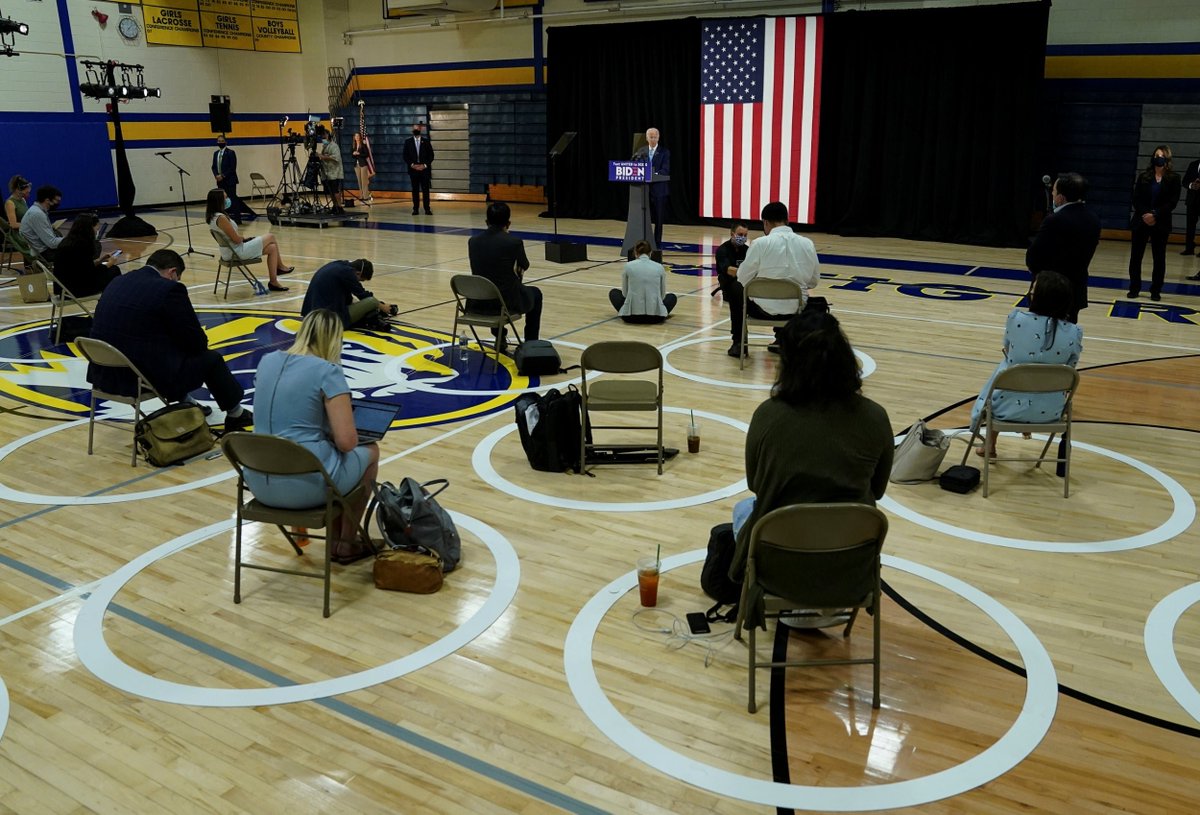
x: 183, y: 199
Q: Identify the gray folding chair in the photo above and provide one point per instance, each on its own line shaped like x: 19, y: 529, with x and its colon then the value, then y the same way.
x: 625, y: 394
x: 259, y: 185
x: 234, y: 262
x: 273, y: 455
x: 771, y: 289
x: 101, y: 353
x: 1030, y: 378
x: 469, y: 290
x: 813, y: 560
x: 59, y: 301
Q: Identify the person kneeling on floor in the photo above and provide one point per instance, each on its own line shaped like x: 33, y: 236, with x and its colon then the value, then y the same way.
x: 338, y: 287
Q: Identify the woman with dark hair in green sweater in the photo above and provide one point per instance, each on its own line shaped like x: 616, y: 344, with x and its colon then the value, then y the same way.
x: 817, y: 439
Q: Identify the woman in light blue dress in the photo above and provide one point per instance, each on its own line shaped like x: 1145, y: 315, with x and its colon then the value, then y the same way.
x: 1041, y: 335
x: 301, y: 394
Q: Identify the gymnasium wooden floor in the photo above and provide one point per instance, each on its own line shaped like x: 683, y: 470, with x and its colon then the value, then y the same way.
x: 1039, y: 653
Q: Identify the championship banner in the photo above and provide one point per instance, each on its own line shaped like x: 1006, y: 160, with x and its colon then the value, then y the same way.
x: 274, y: 9
x: 227, y: 30
x: 281, y: 36
x: 173, y: 22
x: 244, y: 25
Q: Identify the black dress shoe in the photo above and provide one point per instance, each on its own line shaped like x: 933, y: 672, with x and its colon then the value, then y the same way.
x: 428, y: 211
x: 1132, y: 295
x: 1155, y: 296
x: 239, y: 422
x: 1195, y: 276
x: 736, y: 350
x: 415, y: 212
x: 1189, y: 251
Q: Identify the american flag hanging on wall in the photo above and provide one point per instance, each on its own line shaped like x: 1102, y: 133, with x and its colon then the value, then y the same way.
x: 760, y: 103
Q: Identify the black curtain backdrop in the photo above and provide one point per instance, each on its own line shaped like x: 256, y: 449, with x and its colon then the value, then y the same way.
x: 929, y: 123
x: 607, y: 82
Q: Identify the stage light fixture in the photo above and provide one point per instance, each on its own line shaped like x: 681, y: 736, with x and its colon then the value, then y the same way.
x: 10, y: 26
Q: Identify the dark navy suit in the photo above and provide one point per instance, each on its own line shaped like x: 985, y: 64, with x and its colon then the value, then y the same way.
x: 151, y: 320
x: 1065, y: 244
x: 660, y: 191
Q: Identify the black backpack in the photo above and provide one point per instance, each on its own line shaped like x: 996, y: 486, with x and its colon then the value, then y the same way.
x: 714, y: 577
x: 549, y: 427
x: 537, y: 358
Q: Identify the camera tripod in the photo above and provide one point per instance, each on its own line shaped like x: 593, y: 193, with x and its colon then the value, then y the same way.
x: 300, y: 193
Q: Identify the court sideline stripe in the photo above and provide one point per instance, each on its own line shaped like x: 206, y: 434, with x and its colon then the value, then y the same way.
x: 495, y: 773
x: 370, y: 720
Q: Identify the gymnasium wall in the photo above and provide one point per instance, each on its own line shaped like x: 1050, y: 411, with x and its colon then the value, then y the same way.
x: 53, y: 135
x: 1106, y: 60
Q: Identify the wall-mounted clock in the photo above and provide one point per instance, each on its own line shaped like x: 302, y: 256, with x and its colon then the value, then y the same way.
x: 129, y: 28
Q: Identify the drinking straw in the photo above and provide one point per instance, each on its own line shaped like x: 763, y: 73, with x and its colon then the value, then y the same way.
x: 658, y: 557
x: 693, y: 416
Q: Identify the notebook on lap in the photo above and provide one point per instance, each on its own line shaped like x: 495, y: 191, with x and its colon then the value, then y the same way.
x: 372, y: 418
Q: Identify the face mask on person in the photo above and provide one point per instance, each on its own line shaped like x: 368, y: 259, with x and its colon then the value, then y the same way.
x: 220, y: 145
x: 1160, y: 161
x: 740, y: 240
x: 228, y: 203
x: 416, y: 131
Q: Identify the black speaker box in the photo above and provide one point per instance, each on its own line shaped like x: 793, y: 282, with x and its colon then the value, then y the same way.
x: 565, y: 252
x: 218, y: 116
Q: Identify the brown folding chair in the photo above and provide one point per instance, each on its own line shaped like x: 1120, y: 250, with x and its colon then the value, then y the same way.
x: 62, y: 298
x: 101, y: 353
x: 234, y: 262
x: 771, y: 289
x: 1029, y: 378
x: 813, y: 560
x: 471, y: 287
x: 272, y: 455
x: 625, y: 394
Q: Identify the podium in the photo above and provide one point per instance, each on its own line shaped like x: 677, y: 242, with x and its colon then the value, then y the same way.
x: 639, y: 175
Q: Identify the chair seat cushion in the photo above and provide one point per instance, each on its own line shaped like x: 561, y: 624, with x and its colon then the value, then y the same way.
x: 627, y: 394
x: 313, y: 518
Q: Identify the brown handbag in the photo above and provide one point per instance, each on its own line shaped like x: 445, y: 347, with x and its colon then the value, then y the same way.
x: 404, y: 570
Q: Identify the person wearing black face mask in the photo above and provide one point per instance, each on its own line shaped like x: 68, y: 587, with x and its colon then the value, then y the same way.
x: 1155, y: 195
x: 729, y: 257
x: 224, y: 171
x: 418, y: 155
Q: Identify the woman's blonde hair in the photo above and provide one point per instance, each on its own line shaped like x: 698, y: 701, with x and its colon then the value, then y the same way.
x: 320, y: 335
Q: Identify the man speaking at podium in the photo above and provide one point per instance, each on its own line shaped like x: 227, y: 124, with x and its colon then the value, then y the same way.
x: 660, y: 161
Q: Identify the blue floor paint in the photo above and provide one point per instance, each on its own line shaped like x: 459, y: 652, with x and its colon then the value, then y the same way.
x: 363, y: 717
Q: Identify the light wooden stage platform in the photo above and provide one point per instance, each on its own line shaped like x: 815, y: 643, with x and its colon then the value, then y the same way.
x: 531, y: 683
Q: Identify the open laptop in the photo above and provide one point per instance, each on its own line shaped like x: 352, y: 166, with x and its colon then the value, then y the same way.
x: 373, y: 418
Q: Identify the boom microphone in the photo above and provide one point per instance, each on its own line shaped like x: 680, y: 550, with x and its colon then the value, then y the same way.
x: 1046, y: 180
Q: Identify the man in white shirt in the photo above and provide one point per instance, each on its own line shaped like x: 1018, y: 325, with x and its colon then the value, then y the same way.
x: 779, y: 254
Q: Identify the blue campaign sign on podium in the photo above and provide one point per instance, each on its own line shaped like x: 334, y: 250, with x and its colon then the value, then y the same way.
x: 629, y: 171
x: 638, y: 175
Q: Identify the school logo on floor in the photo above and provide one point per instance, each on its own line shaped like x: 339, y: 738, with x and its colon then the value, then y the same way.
x: 432, y: 384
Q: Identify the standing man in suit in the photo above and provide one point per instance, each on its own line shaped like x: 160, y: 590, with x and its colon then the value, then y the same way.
x: 418, y: 155
x: 224, y: 170
x: 1067, y: 240
x: 500, y: 257
x: 1191, y: 186
x: 660, y: 161
x: 147, y: 316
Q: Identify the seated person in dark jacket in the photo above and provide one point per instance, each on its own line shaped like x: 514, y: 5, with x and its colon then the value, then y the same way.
x: 338, y: 287
x: 78, y: 265
x: 500, y: 257
x: 147, y: 316
x: 817, y: 439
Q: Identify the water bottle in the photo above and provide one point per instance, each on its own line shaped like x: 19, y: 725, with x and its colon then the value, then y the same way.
x: 462, y: 346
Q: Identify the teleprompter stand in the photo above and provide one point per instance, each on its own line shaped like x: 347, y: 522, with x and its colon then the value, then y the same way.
x: 561, y: 250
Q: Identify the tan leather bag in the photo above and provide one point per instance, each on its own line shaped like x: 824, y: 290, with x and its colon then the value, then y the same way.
x: 404, y: 570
